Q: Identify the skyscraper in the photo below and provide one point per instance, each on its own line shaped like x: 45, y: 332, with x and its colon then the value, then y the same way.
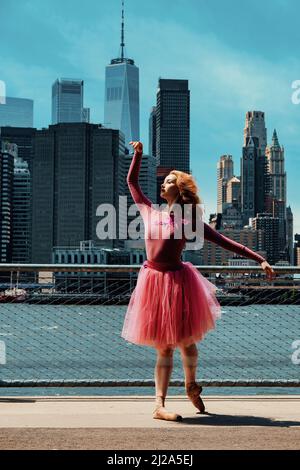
x: 255, y: 181
x: 279, y: 211
x: 289, y: 226
x: 121, y: 102
x: 248, y: 194
x: 16, y: 112
x: 173, y: 124
x: 172, y: 129
x: 277, y: 191
x: 252, y: 179
x: 224, y: 174
x: 86, y: 115
x: 21, y: 233
x: 67, y: 101
x: 269, y: 226
x: 297, y: 250
x: 7, y: 154
x: 275, y: 157
x: 152, y: 132
x: 24, y: 138
x: 233, y: 192
x: 255, y: 126
x: 231, y: 215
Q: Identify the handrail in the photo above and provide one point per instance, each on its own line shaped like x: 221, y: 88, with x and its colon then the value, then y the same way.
x: 56, y: 267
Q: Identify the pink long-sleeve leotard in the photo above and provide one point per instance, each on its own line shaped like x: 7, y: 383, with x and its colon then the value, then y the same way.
x: 167, y: 251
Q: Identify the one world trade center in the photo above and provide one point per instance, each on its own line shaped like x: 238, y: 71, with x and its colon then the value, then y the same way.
x: 121, y: 109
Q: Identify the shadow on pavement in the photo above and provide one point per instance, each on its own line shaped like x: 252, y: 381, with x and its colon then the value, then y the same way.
x: 236, y: 420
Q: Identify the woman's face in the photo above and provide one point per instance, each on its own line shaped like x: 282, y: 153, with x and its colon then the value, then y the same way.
x: 169, y: 190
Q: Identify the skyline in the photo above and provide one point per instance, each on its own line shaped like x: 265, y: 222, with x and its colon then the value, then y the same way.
x: 232, y: 68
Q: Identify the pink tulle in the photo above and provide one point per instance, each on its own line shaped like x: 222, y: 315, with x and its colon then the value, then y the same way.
x: 170, y: 308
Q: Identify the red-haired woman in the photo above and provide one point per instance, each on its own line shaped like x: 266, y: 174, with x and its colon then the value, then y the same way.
x: 173, y: 305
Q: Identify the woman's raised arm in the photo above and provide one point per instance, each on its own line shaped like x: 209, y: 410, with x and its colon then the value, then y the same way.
x: 133, y: 176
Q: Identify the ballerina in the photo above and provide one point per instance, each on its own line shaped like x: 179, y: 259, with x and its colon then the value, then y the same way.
x: 173, y: 304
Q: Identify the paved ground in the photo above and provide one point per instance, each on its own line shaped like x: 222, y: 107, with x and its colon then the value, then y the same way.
x: 260, y: 422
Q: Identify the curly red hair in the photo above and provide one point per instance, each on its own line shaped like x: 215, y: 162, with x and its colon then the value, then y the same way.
x: 187, y: 186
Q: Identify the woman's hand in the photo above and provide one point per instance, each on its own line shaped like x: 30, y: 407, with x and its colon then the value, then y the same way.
x: 137, y: 146
x: 268, y: 269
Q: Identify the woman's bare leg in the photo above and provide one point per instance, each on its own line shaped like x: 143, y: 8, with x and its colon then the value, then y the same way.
x: 189, y: 356
x: 163, y: 371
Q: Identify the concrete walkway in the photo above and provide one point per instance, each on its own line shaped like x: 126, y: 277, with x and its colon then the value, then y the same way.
x: 260, y: 422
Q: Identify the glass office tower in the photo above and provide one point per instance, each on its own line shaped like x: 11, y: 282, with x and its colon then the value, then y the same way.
x: 122, y: 98
x: 121, y: 103
x: 17, y: 112
x: 67, y: 101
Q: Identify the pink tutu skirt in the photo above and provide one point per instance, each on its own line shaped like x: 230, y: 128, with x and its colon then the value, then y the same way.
x: 168, y: 308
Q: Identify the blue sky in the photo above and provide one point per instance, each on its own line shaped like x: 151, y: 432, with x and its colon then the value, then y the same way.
x: 237, y: 56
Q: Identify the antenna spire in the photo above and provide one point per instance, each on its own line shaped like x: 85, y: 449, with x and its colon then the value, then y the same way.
x: 121, y: 58
x: 122, y: 33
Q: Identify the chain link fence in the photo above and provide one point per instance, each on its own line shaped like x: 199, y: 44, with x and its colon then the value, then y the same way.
x: 60, y: 325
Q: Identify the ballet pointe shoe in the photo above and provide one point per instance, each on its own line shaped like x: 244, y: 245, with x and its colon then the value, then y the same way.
x: 193, y: 391
x: 160, y: 411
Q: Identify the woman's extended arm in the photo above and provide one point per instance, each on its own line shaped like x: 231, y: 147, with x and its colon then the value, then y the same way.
x: 133, y: 180
x: 225, y: 242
